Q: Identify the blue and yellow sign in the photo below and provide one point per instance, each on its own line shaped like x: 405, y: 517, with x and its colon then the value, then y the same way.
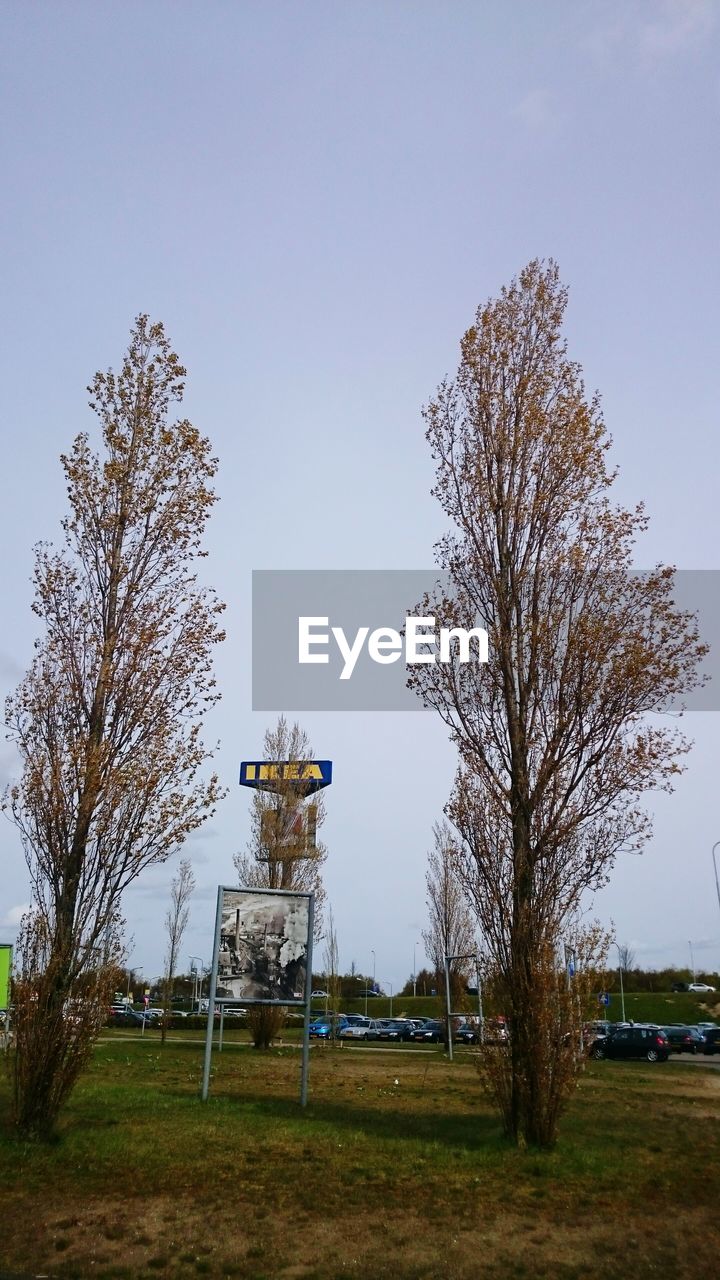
x: 303, y: 776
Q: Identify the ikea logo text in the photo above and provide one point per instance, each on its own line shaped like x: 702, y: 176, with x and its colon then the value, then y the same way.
x: 287, y: 771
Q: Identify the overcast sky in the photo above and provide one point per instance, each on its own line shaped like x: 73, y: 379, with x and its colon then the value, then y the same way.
x: 314, y: 198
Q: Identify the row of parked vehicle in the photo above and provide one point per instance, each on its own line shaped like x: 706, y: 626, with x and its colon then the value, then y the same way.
x: 123, y: 1015
x: 354, y: 1026
x: 603, y: 1039
x: 655, y: 1043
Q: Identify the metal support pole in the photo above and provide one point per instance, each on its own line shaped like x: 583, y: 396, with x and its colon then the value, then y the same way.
x: 373, y: 985
x: 137, y: 969
x: 222, y: 1023
x: 211, y: 1000
x: 449, y: 1019
x: 622, y: 995
x: 194, y: 975
x: 308, y: 989
x: 480, y: 1005
x: 717, y: 881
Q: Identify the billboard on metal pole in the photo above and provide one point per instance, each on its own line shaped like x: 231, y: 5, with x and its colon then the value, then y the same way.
x: 263, y: 946
x: 262, y: 954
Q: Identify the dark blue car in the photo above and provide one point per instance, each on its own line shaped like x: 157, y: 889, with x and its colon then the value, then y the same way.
x: 130, y: 1018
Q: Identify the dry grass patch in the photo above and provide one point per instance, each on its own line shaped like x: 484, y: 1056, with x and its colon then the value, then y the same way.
x: 397, y: 1168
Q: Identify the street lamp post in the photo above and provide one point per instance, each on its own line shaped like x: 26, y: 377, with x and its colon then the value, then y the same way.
x: 196, y: 998
x: 692, y: 962
x: 414, y: 970
x: 372, y: 953
x: 137, y: 969
x: 622, y: 992
x: 717, y: 882
x: 390, y: 985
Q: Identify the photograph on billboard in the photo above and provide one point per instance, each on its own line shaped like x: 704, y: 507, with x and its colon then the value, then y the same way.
x: 264, y: 941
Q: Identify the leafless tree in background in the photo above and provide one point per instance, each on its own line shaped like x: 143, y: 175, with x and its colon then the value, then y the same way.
x: 331, y: 961
x: 178, y: 913
x: 451, y: 928
x: 107, y: 720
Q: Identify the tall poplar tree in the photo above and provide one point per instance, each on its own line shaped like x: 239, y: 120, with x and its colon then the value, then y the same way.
x: 562, y: 734
x: 107, y: 720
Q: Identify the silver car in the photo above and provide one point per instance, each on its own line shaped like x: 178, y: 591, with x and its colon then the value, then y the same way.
x: 360, y: 1031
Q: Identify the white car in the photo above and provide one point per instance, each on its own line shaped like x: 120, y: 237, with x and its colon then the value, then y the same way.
x: 360, y: 1031
x: 318, y: 995
x: 699, y: 986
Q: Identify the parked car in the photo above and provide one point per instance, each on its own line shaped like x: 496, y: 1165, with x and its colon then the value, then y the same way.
x: 600, y: 1027
x: 394, y: 1029
x: 711, y: 1041
x: 680, y: 986
x: 319, y: 995
x: 365, y: 1030
x: 129, y: 1017
x: 683, y: 1039
x: 431, y: 1032
x: 496, y: 1031
x: 699, y: 986
x: 638, y: 1041
x: 324, y: 1028
x: 466, y: 1034
x: 118, y: 1015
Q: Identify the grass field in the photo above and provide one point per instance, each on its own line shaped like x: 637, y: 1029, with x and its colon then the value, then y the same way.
x: 396, y: 1169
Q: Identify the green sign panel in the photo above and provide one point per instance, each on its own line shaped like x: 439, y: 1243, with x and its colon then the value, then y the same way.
x: 5, y: 966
